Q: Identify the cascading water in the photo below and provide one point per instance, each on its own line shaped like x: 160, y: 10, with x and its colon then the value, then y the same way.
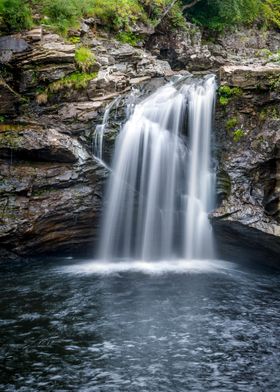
x: 161, y: 186
x: 100, y: 130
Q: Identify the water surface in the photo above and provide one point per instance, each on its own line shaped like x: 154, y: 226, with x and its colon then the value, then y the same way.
x: 196, y: 326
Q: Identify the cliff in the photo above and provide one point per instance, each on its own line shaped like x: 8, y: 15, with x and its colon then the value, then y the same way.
x: 52, y: 100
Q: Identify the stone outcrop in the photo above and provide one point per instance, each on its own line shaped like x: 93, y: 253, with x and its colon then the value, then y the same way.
x: 248, y: 148
x: 257, y: 77
x: 204, y: 51
x: 51, y: 187
x: 183, y: 50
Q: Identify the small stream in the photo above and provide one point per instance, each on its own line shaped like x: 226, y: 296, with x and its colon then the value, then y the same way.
x: 70, y: 325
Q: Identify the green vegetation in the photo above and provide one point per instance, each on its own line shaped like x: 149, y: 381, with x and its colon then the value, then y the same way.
x: 231, y: 123
x: 274, y: 83
x: 84, y: 58
x: 271, y: 13
x: 225, y: 94
x: 9, y: 139
x: 76, y: 80
x: 15, y: 15
x: 272, y: 112
x: 221, y: 14
x: 121, y: 16
x: 270, y: 56
x: 74, y: 40
x: 127, y: 37
x: 238, y: 134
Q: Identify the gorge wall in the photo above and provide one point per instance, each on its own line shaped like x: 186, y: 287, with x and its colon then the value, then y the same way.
x: 51, y: 188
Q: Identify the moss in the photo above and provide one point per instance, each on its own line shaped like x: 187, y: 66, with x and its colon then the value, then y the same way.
x: 226, y: 93
x: 2, y: 119
x: 271, y: 112
x: 274, y: 83
x: 11, y: 127
x: 74, y: 40
x: 9, y: 140
x: 238, y: 134
x: 264, y: 53
x: 224, y: 101
x: 40, y: 192
x: 76, y: 80
x: 231, y: 123
x: 84, y: 58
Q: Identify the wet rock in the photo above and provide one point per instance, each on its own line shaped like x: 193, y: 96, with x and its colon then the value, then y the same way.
x: 9, y: 99
x: 248, y: 149
x: 238, y: 242
x: 52, y: 209
x: 30, y: 143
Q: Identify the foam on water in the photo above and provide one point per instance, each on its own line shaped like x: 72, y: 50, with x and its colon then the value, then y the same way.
x: 148, y: 267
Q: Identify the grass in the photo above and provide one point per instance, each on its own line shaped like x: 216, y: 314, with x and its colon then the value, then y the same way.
x: 62, y: 15
x: 128, y: 38
x: 84, y: 58
x: 76, y: 81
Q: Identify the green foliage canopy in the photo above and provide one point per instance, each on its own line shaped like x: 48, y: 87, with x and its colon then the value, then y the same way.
x: 122, y: 15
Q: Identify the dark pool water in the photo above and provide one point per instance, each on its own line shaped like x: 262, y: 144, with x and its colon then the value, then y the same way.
x: 71, y: 326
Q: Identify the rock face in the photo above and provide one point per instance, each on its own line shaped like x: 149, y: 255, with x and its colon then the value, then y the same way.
x: 51, y: 187
x: 183, y: 50
x: 199, y: 51
x: 248, y: 145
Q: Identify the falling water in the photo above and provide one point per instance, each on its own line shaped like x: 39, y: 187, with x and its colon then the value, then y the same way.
x: 161, y: 186
x: 100, y: 130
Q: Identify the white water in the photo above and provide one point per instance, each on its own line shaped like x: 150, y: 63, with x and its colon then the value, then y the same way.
x: 100, y: 130
x: 149, y: 267
x: 161, y: 186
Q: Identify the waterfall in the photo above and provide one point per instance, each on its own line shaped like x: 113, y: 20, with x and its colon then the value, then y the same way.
x: 161, y: 186
x: 97, y: 146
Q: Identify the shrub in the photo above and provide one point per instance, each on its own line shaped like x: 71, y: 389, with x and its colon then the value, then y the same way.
x: 119, y: 15
x: 15, y: 15
x: 127, y: 37
x: 62, y: 14
x: 271, y: 13
x: 222, y: 14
